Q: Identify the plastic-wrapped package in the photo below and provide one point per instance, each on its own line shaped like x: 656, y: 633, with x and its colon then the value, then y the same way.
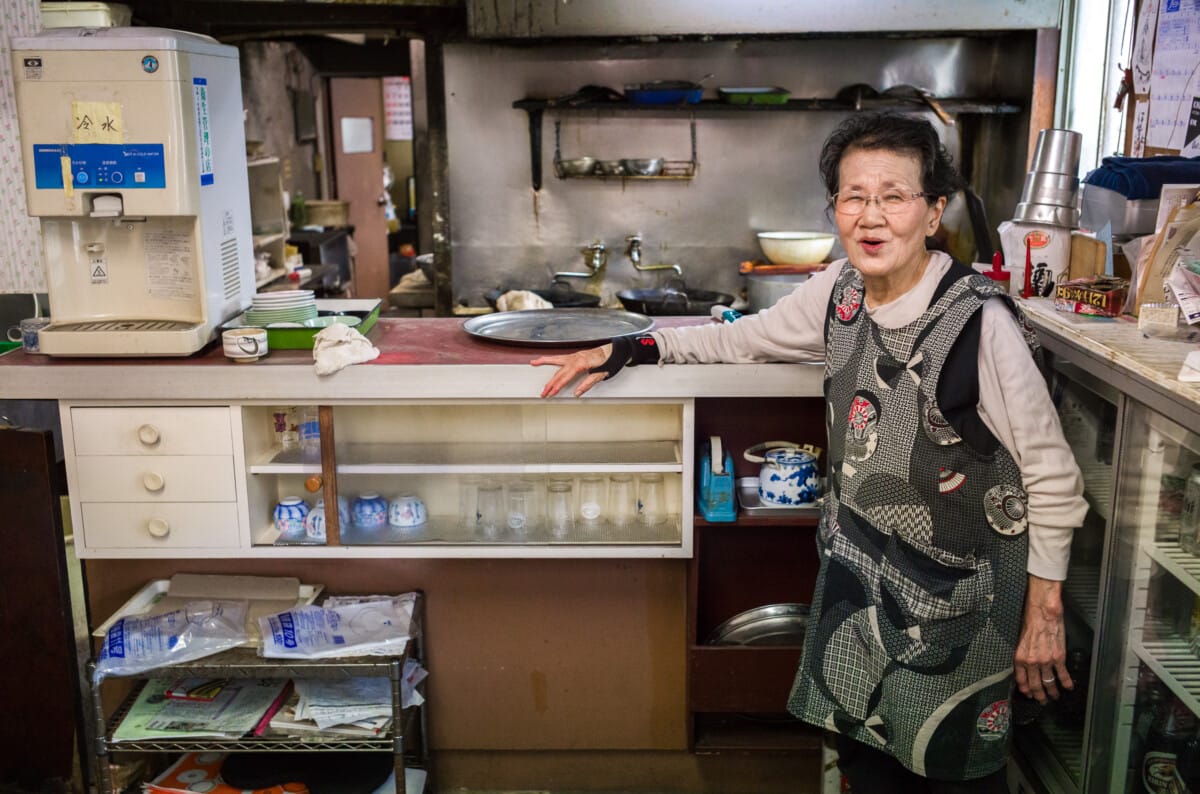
x: 201, y: 628
x: 371, y: 628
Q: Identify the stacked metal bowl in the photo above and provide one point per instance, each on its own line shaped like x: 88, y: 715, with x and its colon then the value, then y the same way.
x: 1051, y: 193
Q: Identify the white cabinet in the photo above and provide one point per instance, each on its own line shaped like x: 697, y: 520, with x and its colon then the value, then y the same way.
x: 204, y: 480
x: 153, y: 480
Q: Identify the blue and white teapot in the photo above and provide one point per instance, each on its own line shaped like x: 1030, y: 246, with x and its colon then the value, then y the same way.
x: 789, y: 475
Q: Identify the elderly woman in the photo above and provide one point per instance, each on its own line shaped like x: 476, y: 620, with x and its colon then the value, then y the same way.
x: 945, y: 534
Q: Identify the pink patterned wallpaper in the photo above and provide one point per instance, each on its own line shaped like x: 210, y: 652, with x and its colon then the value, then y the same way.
x: 20, y: 240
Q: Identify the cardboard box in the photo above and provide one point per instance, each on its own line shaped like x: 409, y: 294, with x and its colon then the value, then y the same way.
x: 1099, y: 295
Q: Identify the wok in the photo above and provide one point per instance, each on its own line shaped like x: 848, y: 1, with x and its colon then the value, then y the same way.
x: 669, y: 301
x: 561, y: 295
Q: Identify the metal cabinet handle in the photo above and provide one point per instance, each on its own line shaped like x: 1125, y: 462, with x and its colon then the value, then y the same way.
x: 148, y: 435
x: 153, y: 481
x: 158, y: 527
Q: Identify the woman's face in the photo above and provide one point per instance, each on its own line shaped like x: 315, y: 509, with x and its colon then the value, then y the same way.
x: 885, y: 246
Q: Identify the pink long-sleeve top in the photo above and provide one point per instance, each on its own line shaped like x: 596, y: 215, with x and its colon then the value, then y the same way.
x: 1013, y: 401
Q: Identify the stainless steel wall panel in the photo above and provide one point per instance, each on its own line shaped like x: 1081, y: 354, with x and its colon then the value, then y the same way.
x: 550, y: 18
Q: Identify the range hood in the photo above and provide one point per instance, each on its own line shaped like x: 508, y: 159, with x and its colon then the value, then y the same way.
x: 518, y: 19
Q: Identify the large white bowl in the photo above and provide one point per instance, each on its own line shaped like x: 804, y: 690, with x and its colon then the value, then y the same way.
x: 795, y: 248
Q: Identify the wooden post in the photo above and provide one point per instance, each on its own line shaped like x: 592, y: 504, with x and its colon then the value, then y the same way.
x: 333, y: 529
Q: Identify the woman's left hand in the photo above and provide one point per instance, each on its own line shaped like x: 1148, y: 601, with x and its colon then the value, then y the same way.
x: 570, y: 367
x: 1040, y: 660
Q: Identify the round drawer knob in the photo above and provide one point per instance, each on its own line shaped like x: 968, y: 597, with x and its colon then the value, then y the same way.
x: 158, y: 527
x: 153, y: 481
x: 148, y: 435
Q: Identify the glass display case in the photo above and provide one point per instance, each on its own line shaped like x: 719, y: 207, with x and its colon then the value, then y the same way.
x: 1052, y: 739
x: 1155, y: 742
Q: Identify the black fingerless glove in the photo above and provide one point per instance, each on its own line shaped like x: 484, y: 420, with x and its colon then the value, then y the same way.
x: 629, y: 351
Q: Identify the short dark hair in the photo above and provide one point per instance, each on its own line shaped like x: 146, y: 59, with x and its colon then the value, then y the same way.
x: 893, y: 132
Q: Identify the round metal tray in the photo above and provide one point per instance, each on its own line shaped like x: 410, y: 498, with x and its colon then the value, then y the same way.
x: 557, y: 327
x: 772, y: 624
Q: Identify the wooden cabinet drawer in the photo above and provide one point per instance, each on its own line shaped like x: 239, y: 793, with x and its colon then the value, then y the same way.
x: 152, y: 430
x: 155, y: 478
x: 162, y: 525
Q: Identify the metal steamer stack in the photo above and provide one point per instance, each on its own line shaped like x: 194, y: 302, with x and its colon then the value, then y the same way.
x: 1039, y: 235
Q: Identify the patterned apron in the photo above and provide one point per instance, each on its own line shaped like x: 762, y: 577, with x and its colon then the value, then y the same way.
x: 921, y: 589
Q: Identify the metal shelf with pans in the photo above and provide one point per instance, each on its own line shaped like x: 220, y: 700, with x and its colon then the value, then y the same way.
x: 536, y: 110
x: 671, y: 169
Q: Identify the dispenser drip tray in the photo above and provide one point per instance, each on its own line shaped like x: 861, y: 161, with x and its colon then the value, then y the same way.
x: 124, y: 325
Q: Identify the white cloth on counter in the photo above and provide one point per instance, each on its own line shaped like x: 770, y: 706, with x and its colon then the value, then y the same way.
x: 516, y: 300
x: 339, y: 346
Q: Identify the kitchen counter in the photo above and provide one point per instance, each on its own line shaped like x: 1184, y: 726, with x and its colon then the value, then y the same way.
x: 420, y: 358
x: 1145, y: 368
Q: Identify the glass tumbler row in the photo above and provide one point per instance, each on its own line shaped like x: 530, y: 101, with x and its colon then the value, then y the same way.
x: 493, y: 508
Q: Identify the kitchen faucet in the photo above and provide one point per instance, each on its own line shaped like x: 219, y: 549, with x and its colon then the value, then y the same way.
x: 634, y: 252
x: 595, y: 257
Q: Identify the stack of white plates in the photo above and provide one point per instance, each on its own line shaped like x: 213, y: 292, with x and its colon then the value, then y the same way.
x: 290, y: 306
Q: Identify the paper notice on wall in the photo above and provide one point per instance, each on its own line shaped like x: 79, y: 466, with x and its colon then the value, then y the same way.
x: 397, y: 109
x: 1175, y: 78
x: 1191, y: 137
x: 1141, y: 115
x: 1143, y: 47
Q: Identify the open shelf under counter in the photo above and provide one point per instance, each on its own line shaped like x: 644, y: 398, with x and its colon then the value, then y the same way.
x: 744, y: 733
x: 445, y: 536
x: 506, y: 458
x: 286, y: 461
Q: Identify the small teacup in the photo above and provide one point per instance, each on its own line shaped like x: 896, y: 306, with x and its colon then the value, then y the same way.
x: 406, y: 511
x: 369, y: 511
x: 244, y: 344
x: 26, y: 332
x: 289, y: 516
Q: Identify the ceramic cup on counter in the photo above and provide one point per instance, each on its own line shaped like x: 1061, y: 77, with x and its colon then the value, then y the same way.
x: 406, y: 511
x: 244, y: 344
x: 314, y: 522
x: 369, y: 511
x: 289, y: 516
x: 27, y: 333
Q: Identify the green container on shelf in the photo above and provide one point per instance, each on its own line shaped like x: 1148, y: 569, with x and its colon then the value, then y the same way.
x: 6, y: 346
x: 754, y: 95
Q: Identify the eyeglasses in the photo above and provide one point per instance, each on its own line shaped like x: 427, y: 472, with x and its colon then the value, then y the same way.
x: 889, y: 202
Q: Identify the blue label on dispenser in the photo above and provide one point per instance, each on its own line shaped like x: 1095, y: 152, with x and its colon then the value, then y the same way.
x: 100, y: 166
x: 203, y: 130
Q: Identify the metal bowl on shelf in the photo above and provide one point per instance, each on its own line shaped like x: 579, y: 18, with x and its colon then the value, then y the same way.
x: 771, y: 624
x: 577, y: 166
x: 651, y: 166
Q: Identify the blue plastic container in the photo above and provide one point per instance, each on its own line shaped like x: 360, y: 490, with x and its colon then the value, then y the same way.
x: 664, y: 92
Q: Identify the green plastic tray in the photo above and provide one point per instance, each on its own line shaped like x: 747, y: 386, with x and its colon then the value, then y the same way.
x: 302, y: 338
x: 6, y: 346
x: 754, y: 95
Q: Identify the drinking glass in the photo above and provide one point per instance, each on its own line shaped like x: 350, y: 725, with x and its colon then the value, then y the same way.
x: 651, y: 500
x: 489, y: 506
x: 522, y: 508
x: 592, y: 498
x: 622, y: 500
x: 468, y: 503
x: 560, y: 508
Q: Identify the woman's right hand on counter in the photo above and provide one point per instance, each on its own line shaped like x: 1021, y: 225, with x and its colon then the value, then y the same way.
x: 572, y: 366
